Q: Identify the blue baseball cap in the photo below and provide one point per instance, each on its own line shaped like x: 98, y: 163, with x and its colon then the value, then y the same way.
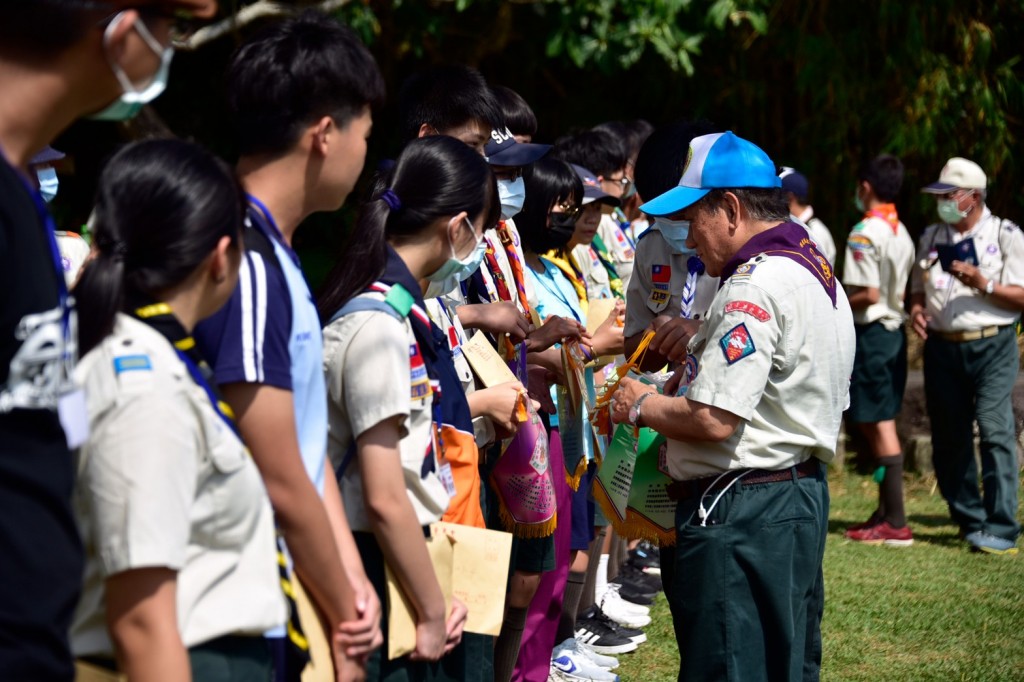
x: 503, y: 150
x: 794, y: 181
x: 592, y: 188
x: 716, y: 161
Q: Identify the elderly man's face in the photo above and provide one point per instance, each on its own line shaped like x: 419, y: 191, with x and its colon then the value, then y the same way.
x: 709, y: 235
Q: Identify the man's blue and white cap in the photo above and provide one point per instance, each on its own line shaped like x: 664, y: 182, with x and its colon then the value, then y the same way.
x: 716, y: 161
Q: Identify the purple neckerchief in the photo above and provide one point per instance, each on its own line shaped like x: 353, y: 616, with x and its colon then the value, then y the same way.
x: 791, y: 241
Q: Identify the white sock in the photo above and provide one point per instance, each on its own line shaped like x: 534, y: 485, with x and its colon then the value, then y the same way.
x: 601, y: 579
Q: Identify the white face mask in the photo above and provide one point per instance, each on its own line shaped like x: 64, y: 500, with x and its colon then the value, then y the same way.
x: 131, y: 100
x: 675, y: 233
x: 511, y: 194
x: 48, y: 182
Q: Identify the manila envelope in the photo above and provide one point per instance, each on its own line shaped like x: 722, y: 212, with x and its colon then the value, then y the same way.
x: 401, y: 614
x: 479, y: 573
x: 485, y: 361
x: 598, y: 311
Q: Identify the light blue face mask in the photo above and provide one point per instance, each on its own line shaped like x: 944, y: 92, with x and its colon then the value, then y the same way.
x: 675, y: 233
x: 461, y: 268
x: 131, y: 101
x: 48, y: 182
x: 512, y: 195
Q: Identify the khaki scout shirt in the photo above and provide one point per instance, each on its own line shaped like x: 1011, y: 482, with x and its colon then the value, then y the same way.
x: 164, y: 482
x: 773, y: 351
x: 953, y: 305
x: 880, y: 258
x: 619, y: 247
x: 659, y: 285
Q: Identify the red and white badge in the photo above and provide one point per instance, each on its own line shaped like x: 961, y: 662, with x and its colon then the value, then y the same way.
x: 752, y: 309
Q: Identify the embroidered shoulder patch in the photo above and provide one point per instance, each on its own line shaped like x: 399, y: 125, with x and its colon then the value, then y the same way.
x: 737, y: 344
x: 418, y: 374
x: 752, y: 309
x: 132, y: 363
x: 744, y: 271
x: 859, y: 242
x: 661, y: 273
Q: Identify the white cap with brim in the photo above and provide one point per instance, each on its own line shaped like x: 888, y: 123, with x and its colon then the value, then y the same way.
x: 958, y: 173
x: 716, y: 161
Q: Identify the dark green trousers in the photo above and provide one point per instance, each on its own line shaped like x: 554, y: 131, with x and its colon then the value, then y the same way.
x: 747, y: 591
x: 968, y: 382
x: 231, y: 659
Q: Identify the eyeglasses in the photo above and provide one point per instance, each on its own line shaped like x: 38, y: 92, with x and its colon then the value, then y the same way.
x: 569, y: 209
x: 183, y: 24
x: 622, y: 182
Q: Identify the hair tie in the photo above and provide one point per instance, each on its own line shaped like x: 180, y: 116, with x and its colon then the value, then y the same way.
x: 391, y: 199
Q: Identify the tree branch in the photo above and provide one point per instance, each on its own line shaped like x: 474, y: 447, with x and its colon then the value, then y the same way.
x: 249, y: 14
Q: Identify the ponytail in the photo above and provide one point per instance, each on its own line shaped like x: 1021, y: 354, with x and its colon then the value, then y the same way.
x: 161, y: 209
x: 434, y: 177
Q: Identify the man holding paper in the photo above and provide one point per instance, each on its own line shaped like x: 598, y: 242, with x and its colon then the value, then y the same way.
x: 767, y: 379
x: 966, y: 312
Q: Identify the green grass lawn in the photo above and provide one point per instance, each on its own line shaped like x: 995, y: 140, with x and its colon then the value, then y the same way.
x: 933, y: 611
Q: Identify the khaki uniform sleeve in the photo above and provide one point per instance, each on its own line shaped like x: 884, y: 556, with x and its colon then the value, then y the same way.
x: 863, y: 257
x: 744, y: 338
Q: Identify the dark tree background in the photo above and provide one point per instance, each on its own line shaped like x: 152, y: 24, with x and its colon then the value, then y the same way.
x: 819, y: 84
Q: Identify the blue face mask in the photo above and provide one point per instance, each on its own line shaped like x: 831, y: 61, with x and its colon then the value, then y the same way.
x: 511, y: 194
x: 131, y: 101
x: 675, y: 233
x: 461, y: 268
x: 48, y: 182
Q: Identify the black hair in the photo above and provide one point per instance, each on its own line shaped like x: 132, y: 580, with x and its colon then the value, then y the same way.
x: 661, y: 160
x: 634, y: 133
x: 444, y: 98
x: 293, y: 74
x: 885, y: 175
x: 519, y: 117
x: 548, y: 182
x: 764, y: 204
x: 599, y: 151
x: 161, y: 208
x: 434, y: 177
x: 40, y: 27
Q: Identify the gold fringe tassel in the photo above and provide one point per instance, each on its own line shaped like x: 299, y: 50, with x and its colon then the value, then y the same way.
x: 574, y: 478
x: 527, y: 531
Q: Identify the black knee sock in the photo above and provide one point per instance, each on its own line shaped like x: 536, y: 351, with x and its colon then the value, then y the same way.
x: 570, y: 602
x: 890, y: 491
x: 506, y: 648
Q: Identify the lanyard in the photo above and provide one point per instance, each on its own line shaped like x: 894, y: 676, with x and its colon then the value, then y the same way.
x: 65, y: 301
x: 266, y: 222
x: 556, y: 292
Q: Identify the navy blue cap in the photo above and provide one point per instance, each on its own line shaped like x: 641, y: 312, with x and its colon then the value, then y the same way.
x: 503, y: 150
x: 592, y: 187
x: 794, y: 181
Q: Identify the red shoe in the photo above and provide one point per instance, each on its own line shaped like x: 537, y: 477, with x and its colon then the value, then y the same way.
x: 882, y: 534
x: 873, y: 520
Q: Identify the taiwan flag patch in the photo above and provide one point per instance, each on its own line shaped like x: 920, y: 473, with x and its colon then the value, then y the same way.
x: 418, y: 377
x: 737, y: 344
x: 661, y: 273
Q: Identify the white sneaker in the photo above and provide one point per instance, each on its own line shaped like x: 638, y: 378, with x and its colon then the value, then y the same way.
x: 624, y: 613
x: 573, y: 645
x: 573, y: 667
x: 612, y: 596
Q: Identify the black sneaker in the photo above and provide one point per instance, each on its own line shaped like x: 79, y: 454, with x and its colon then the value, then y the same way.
x: 597, y: 634
x: 594, y: 614
x: 647, y: 558
x: 646, y: 584
x: 632, y: 595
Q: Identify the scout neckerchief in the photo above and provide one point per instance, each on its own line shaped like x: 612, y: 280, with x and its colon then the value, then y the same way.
x: 787, y: 240
x: 614, y: 281
x: 694, y: 269
x: 518, y: 274
x: 448, y: 404
x: 560, y: 259
x: 161, y: 319
x: 622, y: 223
x: 886, y: 212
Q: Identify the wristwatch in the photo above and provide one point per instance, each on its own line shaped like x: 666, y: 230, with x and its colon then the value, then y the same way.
x: 990, y: 287
x: 634, y: 411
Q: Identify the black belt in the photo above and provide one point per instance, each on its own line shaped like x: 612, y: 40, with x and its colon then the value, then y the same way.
x: 684, y: 490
